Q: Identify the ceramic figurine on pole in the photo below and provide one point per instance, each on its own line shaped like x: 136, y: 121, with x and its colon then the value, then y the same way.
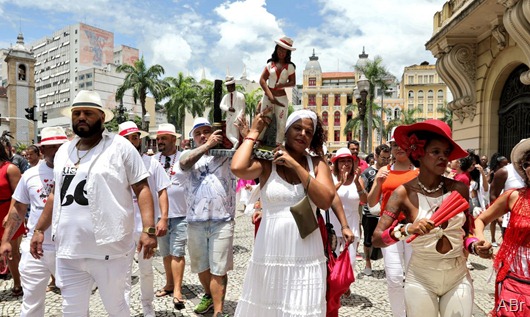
x: 233, y: 103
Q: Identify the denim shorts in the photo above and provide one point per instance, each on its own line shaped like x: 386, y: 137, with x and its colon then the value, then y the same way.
x: 174, y: 242
x: 211, y: 246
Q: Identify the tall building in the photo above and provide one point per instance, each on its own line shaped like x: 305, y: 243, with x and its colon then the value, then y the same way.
x: 328, y: 94
x: 77, y: 57
x: 483, y: 55
x: 424, y: 90
x: 19, y: 66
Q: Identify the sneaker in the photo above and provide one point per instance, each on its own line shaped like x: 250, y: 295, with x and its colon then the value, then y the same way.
x: 367, y: 271
x: 470, y: 266
x: 494, y: 244
x: 205, y: 305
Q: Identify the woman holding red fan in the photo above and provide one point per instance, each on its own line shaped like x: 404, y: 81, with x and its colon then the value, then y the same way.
x: 436, y: 211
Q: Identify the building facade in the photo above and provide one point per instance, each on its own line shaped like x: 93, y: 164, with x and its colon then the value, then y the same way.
x: 483, y: 53
x: 423, y: 89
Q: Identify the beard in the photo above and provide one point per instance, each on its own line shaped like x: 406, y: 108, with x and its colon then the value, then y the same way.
x: 92, y: 130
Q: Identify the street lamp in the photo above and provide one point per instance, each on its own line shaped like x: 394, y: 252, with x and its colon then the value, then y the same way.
x: 383, y: 93
x: 121, y: 113
x: 361, y: 92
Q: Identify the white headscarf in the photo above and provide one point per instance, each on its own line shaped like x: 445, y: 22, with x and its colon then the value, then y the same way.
x: 301, y: 114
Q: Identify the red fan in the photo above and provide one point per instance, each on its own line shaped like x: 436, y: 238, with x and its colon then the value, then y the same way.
x: 450, y: 207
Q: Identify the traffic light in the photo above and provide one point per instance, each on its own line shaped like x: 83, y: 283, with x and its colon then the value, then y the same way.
x: 31, y: 113
x: 44, y: 117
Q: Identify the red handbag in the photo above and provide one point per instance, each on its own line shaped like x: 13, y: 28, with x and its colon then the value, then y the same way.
x: 340, y: 273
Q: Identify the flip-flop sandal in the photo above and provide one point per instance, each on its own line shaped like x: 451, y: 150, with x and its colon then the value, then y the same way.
x: 179, y: 303
x: 163, y: 292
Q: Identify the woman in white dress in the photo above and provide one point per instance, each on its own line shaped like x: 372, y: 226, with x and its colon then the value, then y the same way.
x: 286, y: 275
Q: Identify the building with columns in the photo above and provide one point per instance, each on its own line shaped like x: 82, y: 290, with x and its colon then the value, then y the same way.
x: 483, y: 54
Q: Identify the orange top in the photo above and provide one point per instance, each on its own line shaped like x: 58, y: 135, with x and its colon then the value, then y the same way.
x: 394, y: 179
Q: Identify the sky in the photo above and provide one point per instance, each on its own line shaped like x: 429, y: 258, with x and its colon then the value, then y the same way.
x: 220, y: 38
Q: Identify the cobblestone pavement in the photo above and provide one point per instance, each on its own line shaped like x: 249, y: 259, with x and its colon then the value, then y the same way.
x: 369, y: 293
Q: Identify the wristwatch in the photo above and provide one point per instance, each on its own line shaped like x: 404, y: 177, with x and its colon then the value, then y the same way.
x: 149, y: 230
x: 397, y: 232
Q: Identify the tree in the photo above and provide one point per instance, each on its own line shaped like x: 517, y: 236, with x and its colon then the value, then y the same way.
x: 448, y: 114
x: 376, y: 74
x: 406, y: 117
x: 141, y: 80
x: 184, y: 95
x: 251, y: 102
x: 354, y: 124
x: 113, y: 124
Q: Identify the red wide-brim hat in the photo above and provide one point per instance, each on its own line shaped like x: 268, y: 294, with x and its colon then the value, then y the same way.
x: 441, y: 128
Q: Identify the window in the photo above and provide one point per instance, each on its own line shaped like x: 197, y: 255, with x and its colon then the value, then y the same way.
x: 325, y: 118
x: 349, y: 136
x: 82, y: 85
x: 324, y: 100
x: 430, y: 94
x: 430, y: 107
x: 431, y: 79
x: 420, y: 108
x: 440, y: 107
x: 411, y: 94
x: 420, y: 95
x: 89, y: 84
x: 411, y: 80
x: 410, y: 106
x: 336, y: 136
x: 312, y: 100
x: 397, y: 113
x: 22, y: 72
x: 440, y: 94
x: 337, y: 100
x: 336, y: 118
x: 420, y: 79
x: 81, y: 77
x: 88, y: 75
x: 312, y: 81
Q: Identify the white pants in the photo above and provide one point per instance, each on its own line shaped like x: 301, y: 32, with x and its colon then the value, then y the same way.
x: 35, y: 275
x: 147, y: 277
x: 280, y: 113
x: 75, y: 278
x: 396, y: 258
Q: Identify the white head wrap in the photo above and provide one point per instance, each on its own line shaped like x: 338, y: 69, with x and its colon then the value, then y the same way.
x: 301, y: 114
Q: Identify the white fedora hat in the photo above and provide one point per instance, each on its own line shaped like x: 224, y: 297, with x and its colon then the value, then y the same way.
x: 167, y: 128
x: 285, y: 42
x: 199, y: 122
x: 129, y: 127
x: 229, y: 80
x: 52, y: 136
x: 88, y: 99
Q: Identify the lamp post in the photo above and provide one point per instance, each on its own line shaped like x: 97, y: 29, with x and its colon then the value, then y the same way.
x: 121, y: 113
x: 146, y: 119
x: 361, y: 92
x: 383, y: 93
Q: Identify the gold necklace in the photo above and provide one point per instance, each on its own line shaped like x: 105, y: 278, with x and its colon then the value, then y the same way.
x: 79, y: 158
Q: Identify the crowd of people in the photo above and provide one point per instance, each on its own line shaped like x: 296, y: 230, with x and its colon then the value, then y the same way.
x: 420, y: 202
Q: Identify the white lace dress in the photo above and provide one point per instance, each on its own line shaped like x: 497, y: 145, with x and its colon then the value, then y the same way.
x: 286, y: 275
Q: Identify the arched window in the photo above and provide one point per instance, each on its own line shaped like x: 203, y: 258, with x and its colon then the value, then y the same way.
x: 397, y: 113
x: 336, y: 118
x: 325, y: 118
x: 21, y: 72
x: 324, y: 100
x: 430, y: 94
x: 440, y: 94
x: 411, y: 94
x: 312, y: 100
x: 420, y: 94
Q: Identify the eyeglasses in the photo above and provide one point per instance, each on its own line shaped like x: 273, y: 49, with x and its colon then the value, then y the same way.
x: 168, y: 162
x: 525, y: 165
x: 385, y: 158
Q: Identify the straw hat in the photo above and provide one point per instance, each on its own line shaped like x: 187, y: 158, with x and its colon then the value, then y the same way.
x: 199, y: 122
x: 129, y: 127
x: 230, y: 80
x: 52, y: 136
x: 518, y: 152
x: 403, y: 132
x: 167, y: 128
x: 88, y: 99
x: 285, y: 42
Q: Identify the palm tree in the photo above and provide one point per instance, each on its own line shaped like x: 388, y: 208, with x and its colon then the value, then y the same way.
x: 354, y: 124
x: 141, y: 80
x: 251, y: 102
x: 406, y: 117
x: 448, y: 114
x: 184, y: 94
x: 376, y: 74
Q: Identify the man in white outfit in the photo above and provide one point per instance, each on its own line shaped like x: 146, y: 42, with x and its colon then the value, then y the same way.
x: 233, y: 103
x: 33, y: 189
x: 158, y: 184
x: 92, y: 217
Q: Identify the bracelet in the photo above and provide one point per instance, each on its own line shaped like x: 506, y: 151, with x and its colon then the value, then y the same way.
x: 468, y: 242
x: 37, y: 230
x: 407, y: 233
x: 345, y: 227
x: 390, y: 214
x: 249, y: 138
x: 472, y: 249
x: 387, y: 238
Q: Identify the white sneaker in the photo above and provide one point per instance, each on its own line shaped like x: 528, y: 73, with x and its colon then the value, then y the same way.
x: 494, y: 244
x: 148, y: 310
x: 470, y: 266
x: 367, y: 271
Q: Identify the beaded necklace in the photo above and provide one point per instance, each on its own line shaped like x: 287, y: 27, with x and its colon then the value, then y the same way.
x: 170, y: 170
x: 430, y: 191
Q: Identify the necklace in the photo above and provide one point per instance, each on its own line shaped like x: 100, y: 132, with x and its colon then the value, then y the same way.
x: 79, y: 158
x: 169, y: 170
x: 430, y: 191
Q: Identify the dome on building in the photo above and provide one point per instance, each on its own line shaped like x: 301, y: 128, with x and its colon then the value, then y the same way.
x: 313, y: 64
x: 20, y: 44
x: 363, y: 60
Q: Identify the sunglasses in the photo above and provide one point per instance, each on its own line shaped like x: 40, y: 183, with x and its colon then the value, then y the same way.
x: 168, y: 162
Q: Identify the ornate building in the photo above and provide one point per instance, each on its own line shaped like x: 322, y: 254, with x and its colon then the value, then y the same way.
x: 483, y: 52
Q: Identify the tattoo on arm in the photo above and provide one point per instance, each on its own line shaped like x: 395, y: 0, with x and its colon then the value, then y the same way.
x: 13, y: 223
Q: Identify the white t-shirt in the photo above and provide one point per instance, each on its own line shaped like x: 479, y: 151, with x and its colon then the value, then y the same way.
x: 74, y: 236
x: 177, y: 191
x: 211, y: 191
x: 33, y: 189
x: 157, y: 180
